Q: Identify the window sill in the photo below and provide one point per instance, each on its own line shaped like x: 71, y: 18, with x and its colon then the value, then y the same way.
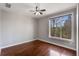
x: 58, y: 38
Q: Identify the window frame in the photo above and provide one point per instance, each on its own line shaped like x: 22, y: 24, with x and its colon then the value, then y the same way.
x: 72, y: 27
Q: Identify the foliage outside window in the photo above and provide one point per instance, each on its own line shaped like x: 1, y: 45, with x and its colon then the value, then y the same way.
x: 61, y: 27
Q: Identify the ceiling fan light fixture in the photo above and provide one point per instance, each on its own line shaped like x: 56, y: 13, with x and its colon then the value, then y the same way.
x: 37, y: 13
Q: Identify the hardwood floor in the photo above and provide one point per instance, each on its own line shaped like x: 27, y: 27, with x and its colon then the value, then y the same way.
x: 37, y: 48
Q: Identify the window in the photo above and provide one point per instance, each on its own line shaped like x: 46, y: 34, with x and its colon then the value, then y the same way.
x: 61, y: 27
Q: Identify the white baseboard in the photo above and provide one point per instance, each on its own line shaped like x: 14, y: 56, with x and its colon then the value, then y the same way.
x: 17, y: 43
x: 57, y: 44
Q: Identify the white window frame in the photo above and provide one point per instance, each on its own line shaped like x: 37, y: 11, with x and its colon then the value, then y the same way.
x: 72, y: 27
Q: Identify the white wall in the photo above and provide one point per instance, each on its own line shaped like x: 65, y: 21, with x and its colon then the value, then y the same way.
x: 0, y: 26
x: 16, y: 28
x: 78, y: 28
x: 0, y: 30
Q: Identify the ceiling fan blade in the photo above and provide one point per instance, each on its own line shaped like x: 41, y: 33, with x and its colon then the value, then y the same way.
x: 43, y: 10
x: 37, y: 8
x: 41, y: 13
x: 35, y: 13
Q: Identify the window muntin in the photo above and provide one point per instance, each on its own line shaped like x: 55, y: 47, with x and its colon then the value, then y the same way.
x: 61, y: 26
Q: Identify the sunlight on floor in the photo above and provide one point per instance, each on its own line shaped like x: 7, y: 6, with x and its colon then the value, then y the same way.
x: 53, y: 53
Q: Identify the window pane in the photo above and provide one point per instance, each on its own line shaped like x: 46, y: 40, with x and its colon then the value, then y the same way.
x: 58, y: 30
x: 66, y: 27
x: 53, y: 28
x: 61, y: 26
x: 58, y: 27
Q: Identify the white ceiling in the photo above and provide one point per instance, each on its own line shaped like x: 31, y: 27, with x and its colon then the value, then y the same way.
x: 50, y: 7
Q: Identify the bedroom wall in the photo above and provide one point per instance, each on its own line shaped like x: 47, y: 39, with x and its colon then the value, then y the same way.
x: 0, y: 26
x: 78, y: 28
x: 0, y: 31
x: 43, y: 31
x: 16, y: 28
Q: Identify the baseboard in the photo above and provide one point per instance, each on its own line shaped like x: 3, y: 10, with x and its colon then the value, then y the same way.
x: 57, y: 44
x: 17, y: 44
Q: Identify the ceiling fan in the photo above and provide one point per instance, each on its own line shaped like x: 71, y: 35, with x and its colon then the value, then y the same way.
x: 38, y: 10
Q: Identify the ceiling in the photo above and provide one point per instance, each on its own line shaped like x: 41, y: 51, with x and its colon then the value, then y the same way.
x: 50, y: 8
